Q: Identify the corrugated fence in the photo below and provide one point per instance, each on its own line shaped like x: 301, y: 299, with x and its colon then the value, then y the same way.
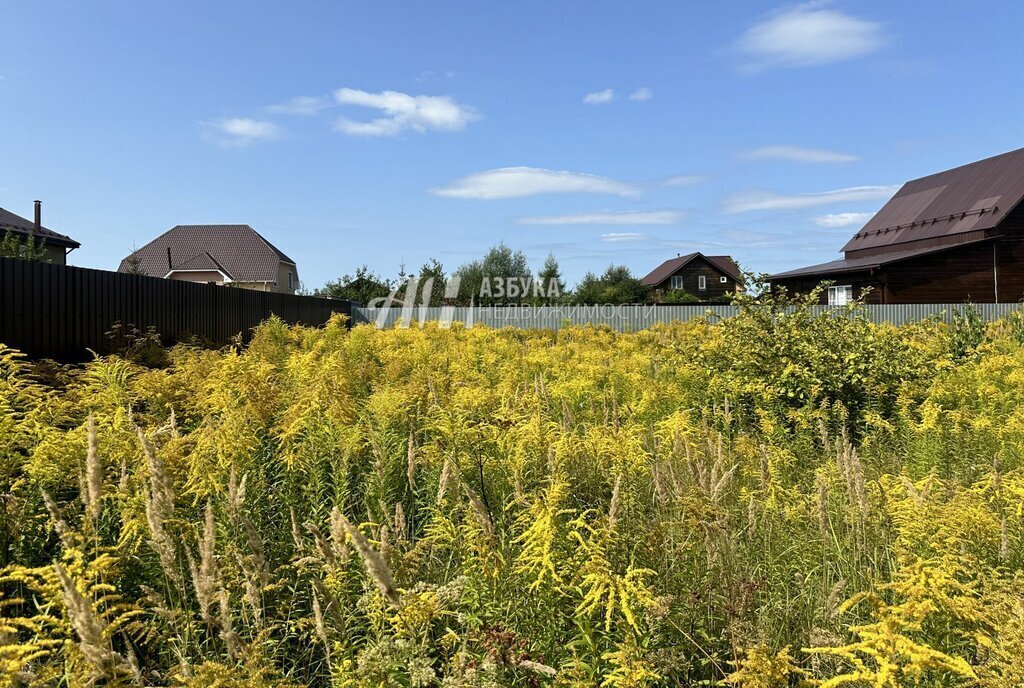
x: 55, y: 311
x: 632, y: 318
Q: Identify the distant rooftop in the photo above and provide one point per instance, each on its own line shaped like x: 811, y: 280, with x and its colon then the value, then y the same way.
x: 239, y: 251
x: 19, y: 225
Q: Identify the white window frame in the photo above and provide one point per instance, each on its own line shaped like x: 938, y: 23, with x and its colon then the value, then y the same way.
x: 723, y: 279
x: 677, y: 281
x: 702, y: 283
x: 840, y: 295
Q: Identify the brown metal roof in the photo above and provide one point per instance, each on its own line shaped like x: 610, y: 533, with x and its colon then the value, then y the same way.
x: 204, y: 262
x: 19, y: 225
x: 866, y: 263
x: 724, y: 264
x: 239, y: 250
x: 970, y: 197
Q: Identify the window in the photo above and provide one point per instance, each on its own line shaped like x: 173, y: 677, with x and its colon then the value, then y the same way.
x: 840, y: 296
x: 723, y: 279
x: 702, y: 283
x: 677, y: 281
x: 290, y: 285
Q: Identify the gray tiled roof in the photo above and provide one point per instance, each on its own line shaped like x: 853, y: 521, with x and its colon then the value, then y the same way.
x: 238, y: 249
x: 19, y: 225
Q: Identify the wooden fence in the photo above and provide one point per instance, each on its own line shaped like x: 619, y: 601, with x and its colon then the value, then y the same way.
x: 60, y: 312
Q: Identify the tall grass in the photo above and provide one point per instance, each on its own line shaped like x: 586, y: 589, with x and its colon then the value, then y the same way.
x: 777, y: 499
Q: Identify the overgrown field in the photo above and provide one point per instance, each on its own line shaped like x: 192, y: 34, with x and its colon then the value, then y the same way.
x: 779, y: 499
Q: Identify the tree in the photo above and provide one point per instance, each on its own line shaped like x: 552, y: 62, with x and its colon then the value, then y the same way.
x: 616, y: 285
x: 133, y: 266
x: 16, y: 246
x: 433, y: 269
x: 502, y: 276
x: 550, y: 281
x: 363, y: 287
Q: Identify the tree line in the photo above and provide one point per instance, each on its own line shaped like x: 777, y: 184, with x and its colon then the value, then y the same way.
x: 501, y: 276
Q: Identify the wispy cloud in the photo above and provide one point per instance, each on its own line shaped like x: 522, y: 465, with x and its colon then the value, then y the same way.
x: 642, y: 93
x: 241, y: 131
x: 517, y: 182
x: 301, y: 105
x: 836, y: 220
x: 622, y: 219
x: 751, y: 239
x: 799, y: 154
x: 600, y: 97
x: 402, y: 112
x: 770, y: 200
x: 683, y: 180
x: 809, y: 35
x: 618, y: 237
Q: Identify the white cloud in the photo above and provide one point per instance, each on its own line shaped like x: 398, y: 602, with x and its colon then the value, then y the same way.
x: 644, y: 217
x: 599, y: 97
x: 642, y: 93
x: 770, y: 200
x: 617, y: 237
x: 836, y: 220
x: 809, y: 35
x: 301, y: 105
x: 402, y: 111
x: 241, y: 131
x: 799, y: 154
x: 517, y: 182
x: 683, y: 180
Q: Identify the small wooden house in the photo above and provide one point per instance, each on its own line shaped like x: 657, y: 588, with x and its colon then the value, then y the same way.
x: 951, y: 237
x: 708, y: 278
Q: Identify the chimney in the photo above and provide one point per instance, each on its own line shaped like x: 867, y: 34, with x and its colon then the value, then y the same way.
x: 39, y: 216
x: 170, y: 265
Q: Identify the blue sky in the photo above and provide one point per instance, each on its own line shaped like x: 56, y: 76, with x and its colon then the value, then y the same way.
x: 388, y: 132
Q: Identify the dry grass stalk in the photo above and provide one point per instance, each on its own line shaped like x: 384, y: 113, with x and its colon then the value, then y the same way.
x: 410, y: 461
x: 339, y: 541
x: 296, y: 532
x: 538, y: 667
x: 83, y: 619
x: 59, y: 524
x: 159, y: 508
x: 204, y: 575
x: 93, y: 471
x: 319, y: 625
x: 480, y: 513
x: 400, y: 523
x: 442, y: 484
x: 375, y: 565
x: 159, y: 539
x: 613, y: 506
x: 822, y: 506
x: 227, y: 631
x: 327, y: 554
x: 162, y: 485
x: 236, y: 493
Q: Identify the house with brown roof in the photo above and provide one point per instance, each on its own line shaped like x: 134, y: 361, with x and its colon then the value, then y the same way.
x: 708, y: 278
x: 235, y: 255
x: 950, y: 237
x: 56, y: 246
